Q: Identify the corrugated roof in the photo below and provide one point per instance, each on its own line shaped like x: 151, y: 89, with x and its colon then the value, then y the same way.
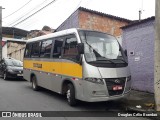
x: 104, y: 14
x: 99, y: 13
x: 15, y: 31
x: 13, y: 40
x: 137, y: 22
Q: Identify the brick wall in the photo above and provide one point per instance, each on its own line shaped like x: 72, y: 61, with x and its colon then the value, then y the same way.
x: 92, y: 21
x: 139, y: 39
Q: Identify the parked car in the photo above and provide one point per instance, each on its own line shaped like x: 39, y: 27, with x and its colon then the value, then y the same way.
x: 11, y: 68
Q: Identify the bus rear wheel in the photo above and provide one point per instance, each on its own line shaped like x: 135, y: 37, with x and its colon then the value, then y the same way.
x: 34, y: 83
x: 71, y: 95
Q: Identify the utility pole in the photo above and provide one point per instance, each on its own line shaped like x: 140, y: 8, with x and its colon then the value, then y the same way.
x: 140, y: 13
x: 0, y: 32
x: 157, y: 56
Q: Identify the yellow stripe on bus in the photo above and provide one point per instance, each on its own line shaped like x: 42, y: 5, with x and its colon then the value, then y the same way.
x: 63, y: 68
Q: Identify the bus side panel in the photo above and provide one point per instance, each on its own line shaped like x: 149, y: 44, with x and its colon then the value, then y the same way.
x: 56, y: 75
x: 26, y: 74
x: 41, y: 69
x: 26, y: 70
x: 73, y: 71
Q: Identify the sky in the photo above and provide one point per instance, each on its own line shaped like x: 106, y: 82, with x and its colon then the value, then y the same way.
x: 58, y: 11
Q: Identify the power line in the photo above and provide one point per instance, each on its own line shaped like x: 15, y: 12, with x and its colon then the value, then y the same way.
x: 34, y: 13
x: 28, y: 24
x: 27, y: 13
x: 78, y: 5
x: 17, y: 9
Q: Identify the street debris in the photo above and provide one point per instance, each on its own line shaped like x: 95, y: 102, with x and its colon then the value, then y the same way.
x: 138, y: 106
x: 150, y: 105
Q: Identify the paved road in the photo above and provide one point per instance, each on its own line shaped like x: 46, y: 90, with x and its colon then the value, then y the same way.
x: 17, y: 95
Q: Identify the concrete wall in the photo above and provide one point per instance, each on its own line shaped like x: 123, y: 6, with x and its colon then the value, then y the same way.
x: 71, y: 22
x: 16, y: 50
x: 4, y: 51
x: 139, y: 40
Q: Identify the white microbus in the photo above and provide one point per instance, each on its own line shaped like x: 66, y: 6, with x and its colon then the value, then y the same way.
x: 81, y: 64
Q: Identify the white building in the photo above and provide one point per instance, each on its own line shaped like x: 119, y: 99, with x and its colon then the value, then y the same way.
x: 13, y: 48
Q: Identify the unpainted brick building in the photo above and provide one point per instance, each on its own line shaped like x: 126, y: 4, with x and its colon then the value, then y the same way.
x: 93, y: 20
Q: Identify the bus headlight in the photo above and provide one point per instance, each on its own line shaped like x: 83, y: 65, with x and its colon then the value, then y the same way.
x: 95, y: 80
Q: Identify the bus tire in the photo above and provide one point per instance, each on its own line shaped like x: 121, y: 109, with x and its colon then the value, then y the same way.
x: 35, y: 87
x: 71, y: 95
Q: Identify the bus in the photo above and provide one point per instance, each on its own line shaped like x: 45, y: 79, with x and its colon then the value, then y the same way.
x: 81, y: 64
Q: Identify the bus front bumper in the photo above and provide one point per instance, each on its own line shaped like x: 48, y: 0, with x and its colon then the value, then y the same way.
x: 106, y: 98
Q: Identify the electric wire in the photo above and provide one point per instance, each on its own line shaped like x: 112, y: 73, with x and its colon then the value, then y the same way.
x: 10, y: 24
x: 34, y: 13
x: 17, y: 10
x: 76, y: 8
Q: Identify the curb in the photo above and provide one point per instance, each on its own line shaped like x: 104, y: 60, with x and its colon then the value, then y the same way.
x: 134, y: 109
x: 140, y: 110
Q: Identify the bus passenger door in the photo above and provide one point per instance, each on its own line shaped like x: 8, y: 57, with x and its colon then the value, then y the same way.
x: 56, y: 77
x: 71, y: 68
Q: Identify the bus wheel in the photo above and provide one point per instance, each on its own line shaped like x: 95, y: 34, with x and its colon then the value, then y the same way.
x: 71, y: 95
x: 34, y: 83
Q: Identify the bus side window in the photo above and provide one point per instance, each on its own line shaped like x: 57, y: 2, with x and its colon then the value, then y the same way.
x: 57, y: 47
x: 27, y: 53
x: 46, y: 48
x: 70, y: 48
x: 35, y: 49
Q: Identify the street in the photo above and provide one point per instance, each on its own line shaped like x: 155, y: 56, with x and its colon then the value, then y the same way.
x: 17, y: 95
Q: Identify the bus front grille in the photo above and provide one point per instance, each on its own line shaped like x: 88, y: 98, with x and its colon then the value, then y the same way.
x: 115, y: 82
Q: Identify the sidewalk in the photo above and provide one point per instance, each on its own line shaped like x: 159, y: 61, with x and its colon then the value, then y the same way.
x: 141, y: 102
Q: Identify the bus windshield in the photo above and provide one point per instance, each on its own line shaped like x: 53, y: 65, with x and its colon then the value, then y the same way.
x: 101, y: 47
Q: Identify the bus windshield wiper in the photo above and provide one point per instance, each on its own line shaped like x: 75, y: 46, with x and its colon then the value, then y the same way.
x: 121, y: 60
x: 95, y: 52
x: 105, y: 59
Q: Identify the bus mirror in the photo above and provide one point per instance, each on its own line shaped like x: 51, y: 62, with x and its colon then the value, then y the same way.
x: 80, y: 48
x: 125, y: 52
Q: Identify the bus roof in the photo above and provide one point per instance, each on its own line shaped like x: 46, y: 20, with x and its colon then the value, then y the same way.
x: 55, y: 34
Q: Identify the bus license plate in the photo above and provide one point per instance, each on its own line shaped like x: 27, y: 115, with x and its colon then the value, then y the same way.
x: 117, y: 87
